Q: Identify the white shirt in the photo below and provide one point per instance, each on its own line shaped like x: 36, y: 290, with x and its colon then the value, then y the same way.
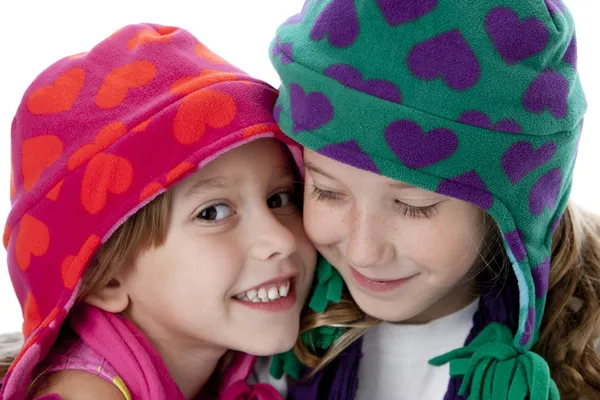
x: 261, y: 374
x: 395, y: 362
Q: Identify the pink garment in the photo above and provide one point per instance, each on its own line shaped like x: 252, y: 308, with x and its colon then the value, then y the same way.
x: 234, y: 385
x: 124, y: 351
x: 74, y: 354
x: 97, y: 136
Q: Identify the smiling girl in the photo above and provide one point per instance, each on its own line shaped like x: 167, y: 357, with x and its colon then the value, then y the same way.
x: 155, y: 239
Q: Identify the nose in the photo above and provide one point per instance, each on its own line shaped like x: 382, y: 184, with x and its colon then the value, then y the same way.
x: 273, y: 241
x: 368, y: 244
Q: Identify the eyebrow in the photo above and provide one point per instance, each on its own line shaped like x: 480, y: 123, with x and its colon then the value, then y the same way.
x: 314, y: 169
x: 221, y: 182
x: 218, y: 182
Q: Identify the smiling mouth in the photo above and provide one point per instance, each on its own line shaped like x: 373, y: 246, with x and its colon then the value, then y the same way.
x: 376, y: 285
x: 268, y: 293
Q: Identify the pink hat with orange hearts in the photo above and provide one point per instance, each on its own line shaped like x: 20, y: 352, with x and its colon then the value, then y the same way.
x: 96, y: 137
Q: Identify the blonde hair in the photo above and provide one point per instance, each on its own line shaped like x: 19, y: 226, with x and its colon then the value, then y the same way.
x: 571, y: 322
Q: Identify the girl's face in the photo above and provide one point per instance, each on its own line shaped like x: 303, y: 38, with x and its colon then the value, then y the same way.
x: 236, y: 266
x: 405, y: 253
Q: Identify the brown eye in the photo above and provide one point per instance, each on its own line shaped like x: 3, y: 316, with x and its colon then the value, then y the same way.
x: 279, y: 200
x: 215, y: 212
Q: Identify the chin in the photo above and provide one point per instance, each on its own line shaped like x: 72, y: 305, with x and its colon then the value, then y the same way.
x: 389, y: 311
x: 268, y: 344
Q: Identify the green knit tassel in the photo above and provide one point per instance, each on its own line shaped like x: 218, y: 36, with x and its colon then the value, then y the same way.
x: 286, y: 363
x: 328, y: 288
x: 493, y: 369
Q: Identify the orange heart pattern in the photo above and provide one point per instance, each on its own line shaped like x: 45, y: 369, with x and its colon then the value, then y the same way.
x: 58, y: 97
x: 120, y: 80
x: 6, y: 236
x: 153, y: 188
x: 199, y: 110
x: 72, y: 267
x: 109, y: 134
x: 160, y: 35
x: 33, y: 239
x: 104, y: 174
x: 38, y: 153
x: 31, y: 315
x: 206, y: 78
x: 142, y: 127
x: 55, y: 191
x: 203, y: 51
x: 258, y: 129
x: 150, y: 191
x: 179, y: 170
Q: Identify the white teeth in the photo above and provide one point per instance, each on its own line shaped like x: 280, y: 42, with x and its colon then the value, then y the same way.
x: 284, y: 289
x: 251, y: 294
x: 262, y: 294
x: 273, y: 293
x: 265, y: 294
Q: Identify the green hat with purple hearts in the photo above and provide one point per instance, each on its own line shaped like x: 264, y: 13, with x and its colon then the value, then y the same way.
x: 477, y: 100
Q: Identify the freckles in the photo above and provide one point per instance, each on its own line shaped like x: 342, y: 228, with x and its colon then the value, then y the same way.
x: 318, y: 221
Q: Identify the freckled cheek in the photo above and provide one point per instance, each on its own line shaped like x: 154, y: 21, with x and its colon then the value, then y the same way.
x: 324, y: 225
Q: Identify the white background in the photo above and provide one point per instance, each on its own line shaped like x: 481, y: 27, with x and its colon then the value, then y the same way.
x: 36, y: 33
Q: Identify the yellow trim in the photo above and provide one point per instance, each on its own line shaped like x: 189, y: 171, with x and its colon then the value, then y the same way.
x: 121, y: 386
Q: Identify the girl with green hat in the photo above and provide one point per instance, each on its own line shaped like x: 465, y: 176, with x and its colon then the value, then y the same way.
x: 440, y: 143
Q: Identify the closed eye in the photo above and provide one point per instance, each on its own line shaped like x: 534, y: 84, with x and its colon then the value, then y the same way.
x: 319, y: 194
x: 415, y: 212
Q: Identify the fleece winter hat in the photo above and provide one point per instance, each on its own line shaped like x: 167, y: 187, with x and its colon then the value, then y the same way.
x: 478, y: 100
x: 96, y: 137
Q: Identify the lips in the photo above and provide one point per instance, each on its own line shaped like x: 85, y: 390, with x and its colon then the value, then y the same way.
x: 378, y: 286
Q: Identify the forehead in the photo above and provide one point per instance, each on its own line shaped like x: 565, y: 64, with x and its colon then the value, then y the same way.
x: 256, y: 154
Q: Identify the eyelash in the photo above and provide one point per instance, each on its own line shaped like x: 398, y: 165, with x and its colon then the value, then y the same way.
x: 323, y: 195
x: 289, y: 191
x: 416, y: 212
x: 427, y: 212
x: 220, y: 203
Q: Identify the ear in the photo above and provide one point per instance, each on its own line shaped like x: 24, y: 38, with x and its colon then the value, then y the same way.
x: 112, y: 298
